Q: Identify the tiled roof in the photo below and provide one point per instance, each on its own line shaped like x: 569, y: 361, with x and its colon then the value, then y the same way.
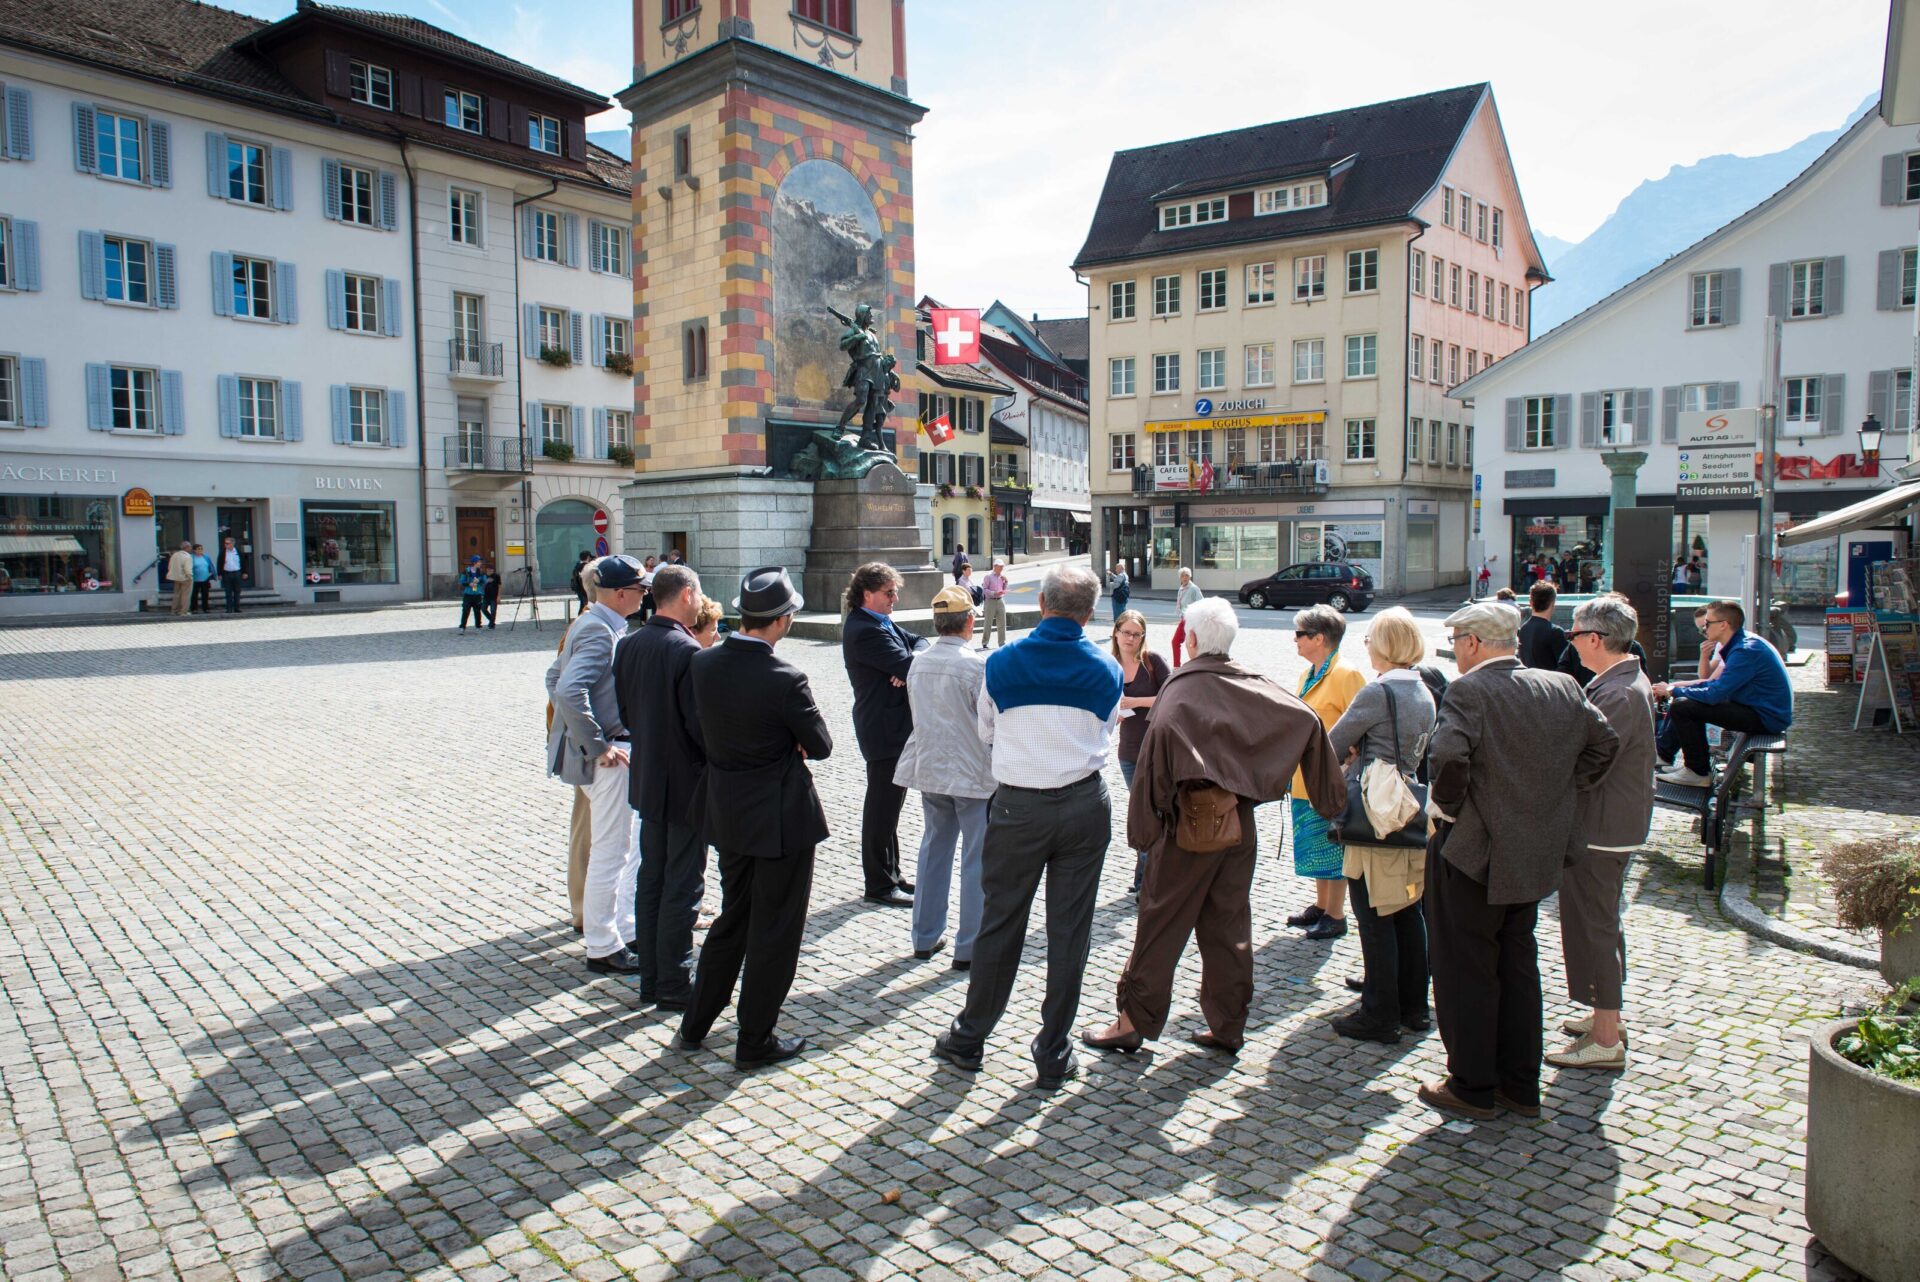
x: 1067, y: 336
x: 1399, y: 148
x: 965, y: 378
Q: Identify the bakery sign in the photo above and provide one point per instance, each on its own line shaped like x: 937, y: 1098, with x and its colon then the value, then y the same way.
x: 136, y: 502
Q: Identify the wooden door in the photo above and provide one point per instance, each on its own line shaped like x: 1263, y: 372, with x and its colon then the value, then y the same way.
x: 475, y: 536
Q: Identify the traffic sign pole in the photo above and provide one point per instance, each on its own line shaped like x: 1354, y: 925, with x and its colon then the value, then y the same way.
x: 1769, y: 417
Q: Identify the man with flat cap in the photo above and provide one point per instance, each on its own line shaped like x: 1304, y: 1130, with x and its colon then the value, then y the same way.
x: 1513, y: 749
x: 756, y: 804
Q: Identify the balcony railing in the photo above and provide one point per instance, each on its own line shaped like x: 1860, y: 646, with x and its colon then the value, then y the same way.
x: 486, y: 453
x: 484, y: 361
x: 1301, y: 476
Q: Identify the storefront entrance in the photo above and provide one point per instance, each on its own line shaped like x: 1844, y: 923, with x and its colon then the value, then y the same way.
x: 172, y: 526
x: 475, y: 536
x: 236, y: 523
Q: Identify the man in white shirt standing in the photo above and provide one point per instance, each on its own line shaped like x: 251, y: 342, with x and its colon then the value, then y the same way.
x: 230, y: 573
x: 180, y: 574
x: 994, y: 589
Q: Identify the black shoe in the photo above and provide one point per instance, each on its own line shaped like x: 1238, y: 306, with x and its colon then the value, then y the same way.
x: 1356, y: 984
x: 1058, y: 1077
x: 1417, y: 1024
x: 1361, y: 1031
x: 681, y: 1042
x: 943, y: 1048
x: 958, y: 964
x: 672, y: 1003
x: 891, y: 898
x: 926, y: 954
x: 774, y: 1050
x: 623, y: 962
x: 904, y: 887
x: 1307, y: 916
x: 1327, y: 928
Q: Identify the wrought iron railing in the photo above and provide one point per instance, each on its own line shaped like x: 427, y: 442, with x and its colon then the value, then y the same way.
x: 468, y: 359
x: 470, y: 453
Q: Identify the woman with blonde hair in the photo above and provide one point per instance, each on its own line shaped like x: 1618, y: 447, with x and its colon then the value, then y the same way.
x: 1142, y: 673
x: 1328, y: 687
x: 706, y: 623
x: 1390, y: 719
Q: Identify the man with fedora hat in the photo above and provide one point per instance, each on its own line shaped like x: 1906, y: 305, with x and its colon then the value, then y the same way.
x: 756, y: 803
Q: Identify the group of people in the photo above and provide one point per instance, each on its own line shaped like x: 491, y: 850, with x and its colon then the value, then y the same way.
x: 479, y: 594
x: 191, y: 572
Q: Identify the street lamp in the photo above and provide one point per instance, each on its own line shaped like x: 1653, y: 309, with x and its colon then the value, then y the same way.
x: 1870, y: 440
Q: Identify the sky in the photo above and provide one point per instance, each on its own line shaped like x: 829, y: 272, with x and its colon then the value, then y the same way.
x: 1028, y: 101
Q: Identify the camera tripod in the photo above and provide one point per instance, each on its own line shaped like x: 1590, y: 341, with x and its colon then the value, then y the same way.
x: 528, y: 596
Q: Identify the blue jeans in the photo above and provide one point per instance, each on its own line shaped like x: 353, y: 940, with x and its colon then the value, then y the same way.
x: 1120, y: 605
x: 1139, y: 856
x: 947, y: 821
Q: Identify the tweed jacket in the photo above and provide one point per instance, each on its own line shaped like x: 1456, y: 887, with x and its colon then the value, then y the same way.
x: 1513, y: 750
x: 1616, y: 815
x: 586, y: 708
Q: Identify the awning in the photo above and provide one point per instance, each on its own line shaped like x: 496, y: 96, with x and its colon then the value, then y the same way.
x: 1084, y: 517
x: 1863, y: 515
x: 40, y: 545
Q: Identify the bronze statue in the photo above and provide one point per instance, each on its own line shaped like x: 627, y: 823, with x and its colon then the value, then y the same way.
x: 870, y: 375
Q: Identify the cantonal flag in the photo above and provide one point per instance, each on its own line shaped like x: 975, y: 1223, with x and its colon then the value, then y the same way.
x: 1206, y: 474
x: 938, y: 430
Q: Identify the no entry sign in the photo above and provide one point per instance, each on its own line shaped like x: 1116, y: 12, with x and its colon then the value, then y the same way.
x: 599, y: 522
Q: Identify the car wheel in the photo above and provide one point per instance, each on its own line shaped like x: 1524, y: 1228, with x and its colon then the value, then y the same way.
x: 1339, y: 602
x: 1257, y: 599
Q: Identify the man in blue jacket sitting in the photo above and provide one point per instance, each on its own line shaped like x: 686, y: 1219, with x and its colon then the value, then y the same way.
x: 1750, y: 694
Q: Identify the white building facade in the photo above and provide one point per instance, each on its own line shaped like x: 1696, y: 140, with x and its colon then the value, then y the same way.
x: 1833, y: 254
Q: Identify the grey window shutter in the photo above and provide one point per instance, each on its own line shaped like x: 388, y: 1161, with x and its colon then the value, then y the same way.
x: 572, y: 237
x: 1729, y: 396
x: 93, y: 265
x: 291, y: 428
x: 282, y: 178
x: 526, y: 232
x: 1833, y: 404
x: 286, y: 293
x: 336, y: 299
x: 337, y: 403
x: 229, y: 405
x: 159, y: 154
x: 166, y: 276
x: 1893, y: 178
x: 599, y: 341
x: 86, y: 155
x: 26, y: 253
x: 580, y: 442
x: 222, y: 283
x: 330, y: 188
x: 576, y: 335
x: 1642, y: 415
x: 530, y: 329
x: 599, y: 433
x: 533, y: 428
x: 390, y: 323
x: 1730, y: 295
x: 33, y: 392
x: 1879, y: 390
x: 1834, y: 290
x: 396, y: 420
x: 99, y: 398
x: 1589, y: 419
x: 173, y: 403
x: 19, y: 140
x: 217, y: 165
x: 596, y: 261
x: 1562, y: 422
x: 1516, y: 423
x: 1886, y: 281
x: 1669, y: 414
x: 389, y: 212
x: 1777, y: 289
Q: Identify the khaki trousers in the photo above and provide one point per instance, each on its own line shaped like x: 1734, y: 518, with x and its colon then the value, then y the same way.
x: 579, y: 845
x: 994, y: 616
x: 1206, y: 897
x: 182, y: 592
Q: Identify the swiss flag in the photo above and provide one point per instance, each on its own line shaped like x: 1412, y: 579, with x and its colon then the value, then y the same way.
x: 939, y: 431
x: 1206, y: 474
x: 956, y: 335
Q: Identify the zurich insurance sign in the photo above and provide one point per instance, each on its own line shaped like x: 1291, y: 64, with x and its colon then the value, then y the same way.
x: 1204, y: 407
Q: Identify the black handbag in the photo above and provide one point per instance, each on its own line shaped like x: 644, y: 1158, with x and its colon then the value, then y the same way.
x: 1354, y: 827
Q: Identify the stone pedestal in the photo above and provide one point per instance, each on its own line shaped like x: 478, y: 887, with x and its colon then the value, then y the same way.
x: 874, y: 518
x: 730, y: 522
x: 1624, y: 467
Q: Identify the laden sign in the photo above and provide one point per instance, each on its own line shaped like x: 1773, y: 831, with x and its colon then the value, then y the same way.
x: 136, y: 502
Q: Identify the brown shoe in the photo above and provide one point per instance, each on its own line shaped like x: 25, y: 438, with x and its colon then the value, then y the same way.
x: 1213, y: 1043
x: 1500, y: 1100
x: 1438, y: 1095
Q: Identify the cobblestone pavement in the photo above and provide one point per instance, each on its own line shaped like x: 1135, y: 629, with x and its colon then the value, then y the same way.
x: 290, y: 992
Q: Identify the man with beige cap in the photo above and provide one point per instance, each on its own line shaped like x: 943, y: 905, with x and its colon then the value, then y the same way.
x: 1513, y: 749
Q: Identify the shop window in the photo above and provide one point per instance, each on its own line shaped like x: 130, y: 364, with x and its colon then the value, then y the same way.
x: 349, y: 543
x: 50, y: 543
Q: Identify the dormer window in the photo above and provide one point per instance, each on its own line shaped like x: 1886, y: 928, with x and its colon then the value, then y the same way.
x: 370, y: 85
x: 543, y: 134
x: 463, y: 111
x: 1278, y: 200
x: 1192, y: 213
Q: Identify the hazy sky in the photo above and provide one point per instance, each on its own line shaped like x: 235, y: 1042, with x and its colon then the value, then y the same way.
x: 1027, y: 101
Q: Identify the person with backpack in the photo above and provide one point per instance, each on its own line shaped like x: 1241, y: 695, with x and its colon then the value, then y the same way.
x: 1119, y: 590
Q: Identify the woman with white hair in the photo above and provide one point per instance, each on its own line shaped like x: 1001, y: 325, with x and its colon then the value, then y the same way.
x: 1222, y: 739
x: 1190, y: 594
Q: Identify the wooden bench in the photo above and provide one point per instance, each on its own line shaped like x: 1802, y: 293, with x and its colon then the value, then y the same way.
x: 1714, y: 807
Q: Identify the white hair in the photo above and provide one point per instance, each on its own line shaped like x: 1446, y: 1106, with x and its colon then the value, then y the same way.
x: 1213, y: 625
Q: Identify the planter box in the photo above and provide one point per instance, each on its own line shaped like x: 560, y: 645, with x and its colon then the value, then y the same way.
x: 1900, y: 955
x: 1863, y: 1161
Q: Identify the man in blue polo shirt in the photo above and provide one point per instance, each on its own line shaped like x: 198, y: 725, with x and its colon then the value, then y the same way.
x: 1048, y: 710
x: 1750, y: 694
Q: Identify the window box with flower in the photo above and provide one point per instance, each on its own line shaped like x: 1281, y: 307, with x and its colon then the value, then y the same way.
x: 558, y: 357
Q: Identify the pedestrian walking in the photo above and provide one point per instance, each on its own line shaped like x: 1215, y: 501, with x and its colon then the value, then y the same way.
x: 491, y: 598
x: 993, y: 592
x: 579, y: 589
x: 948, y: 762
x: 1225, y: 737
x: 655, y: 692
x: 473, y: 594
x: 756, y: 803
x: 1142, y: 673
x: 1188, y: 595
x: 1119, y: 589
x: 1328, y: 687
x: 1514, y: 749
x: 180, y: 574
x: 647, y: 605
x: 959, y: 559
x: 202, y: 602
x: 1048, y: 710
x: 589, y: 746
x: 877, y: 653
x: 230, y: 574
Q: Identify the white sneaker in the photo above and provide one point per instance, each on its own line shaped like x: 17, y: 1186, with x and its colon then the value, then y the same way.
x: 1679, y: 774
x: 1578, y: 1027
x: 1587, y: 1053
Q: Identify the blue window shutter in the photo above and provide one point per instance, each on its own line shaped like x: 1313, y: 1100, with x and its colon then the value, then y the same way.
x: 390, y: 307
x: 99, y: 398
x: 93, y: 265
x: 530, y: 329
x: 159, y: 154
x: 290, y: 421
x: 389, y: 212
x: 337, y: 404
x: 396, y: 419
x: 19, y: 140
x: 173, y: 403
x: 599, y: 341
x: 282, y: 178
x: 596, y: 261
x: 526, y: 232
x: 33, y: 392
x: 577, y: 347
x: 330, y: 188
x: 217, y: 166
x: 86, y: 156
x: 579, y: 415
x: 26, y: 253
x: 222, y: 283
x: 533, y: 428
x: 229, y: 405
x: 599, y: 434
x: 167, y: 276
x: 336, y: 299
x: 572, y: 248
x: 286, y: 293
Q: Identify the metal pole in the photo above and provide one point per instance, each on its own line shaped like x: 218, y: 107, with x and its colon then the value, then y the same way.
x: 1769, y: 407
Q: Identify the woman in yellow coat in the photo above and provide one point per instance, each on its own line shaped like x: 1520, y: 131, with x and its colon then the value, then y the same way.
x: 1328, y: 687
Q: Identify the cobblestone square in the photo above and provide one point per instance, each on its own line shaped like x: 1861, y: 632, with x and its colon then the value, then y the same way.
x: 290, y: 992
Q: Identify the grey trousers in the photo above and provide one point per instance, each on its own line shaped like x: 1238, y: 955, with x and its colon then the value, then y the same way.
x: 1062, y: 834
x: 1591, y: 937
x: 993, y: 615
x: 947, y: 821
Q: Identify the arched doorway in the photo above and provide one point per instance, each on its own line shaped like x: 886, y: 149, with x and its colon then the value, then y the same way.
x: 562, y: 530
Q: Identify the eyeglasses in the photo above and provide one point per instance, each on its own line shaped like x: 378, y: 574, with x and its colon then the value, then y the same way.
x: 1459, y: 638
x: 1300, y: 634
x: 1132, y: 632
x: 1581, y: 632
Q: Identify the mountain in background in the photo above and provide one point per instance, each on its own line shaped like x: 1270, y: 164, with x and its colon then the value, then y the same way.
x: 1662, y: 217
x: 617, y: 141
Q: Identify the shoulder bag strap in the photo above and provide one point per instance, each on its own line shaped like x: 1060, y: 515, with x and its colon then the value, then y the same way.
x: 1393, y: 719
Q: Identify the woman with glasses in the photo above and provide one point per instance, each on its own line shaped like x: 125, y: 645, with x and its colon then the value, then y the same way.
x: 1328, y: 687
x: 1142, y: 674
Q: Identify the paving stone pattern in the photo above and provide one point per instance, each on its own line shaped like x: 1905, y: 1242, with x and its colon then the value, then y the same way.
x: 291, y: 993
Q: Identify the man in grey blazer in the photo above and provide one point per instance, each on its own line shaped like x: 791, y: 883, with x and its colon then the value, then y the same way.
x: 588, y: 747
x: 1513, y: 750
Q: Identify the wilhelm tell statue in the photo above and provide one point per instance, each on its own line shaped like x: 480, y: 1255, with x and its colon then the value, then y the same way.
x: 871, y: 378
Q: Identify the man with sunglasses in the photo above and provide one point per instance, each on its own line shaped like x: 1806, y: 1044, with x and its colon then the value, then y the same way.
x: 1751, y: 694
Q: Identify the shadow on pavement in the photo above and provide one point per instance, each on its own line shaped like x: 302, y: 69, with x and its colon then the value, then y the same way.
x: 293, y: 652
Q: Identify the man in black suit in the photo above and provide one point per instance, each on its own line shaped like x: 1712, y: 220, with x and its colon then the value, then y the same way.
x: 878, y: 653
x: 1541, y: 641
x: 656, y: 704
x: 757, y: 805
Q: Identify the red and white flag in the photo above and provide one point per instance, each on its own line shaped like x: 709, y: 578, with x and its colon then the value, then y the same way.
x: 938, y: 430
x: 956, y: 335
x: 1206, y: 474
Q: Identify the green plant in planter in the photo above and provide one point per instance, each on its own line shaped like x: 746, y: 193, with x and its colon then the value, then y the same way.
x: 558, y: 451
x: 1886, y: 1041
x: 1876, y: 883
x: 620, y: 454
x: 619, y: 363
x: 558, y: 357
